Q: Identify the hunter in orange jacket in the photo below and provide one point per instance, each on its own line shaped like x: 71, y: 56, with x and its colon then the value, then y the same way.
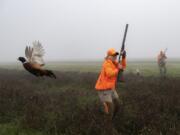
x: 106, y: 82
x: 108, y: 75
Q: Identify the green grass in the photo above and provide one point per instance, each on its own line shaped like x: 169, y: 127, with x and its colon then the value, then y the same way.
x: 13, y: 129
x: 147, y: 68
x: 75, y: 86
x: 150, y: 68
x: 69, y: 105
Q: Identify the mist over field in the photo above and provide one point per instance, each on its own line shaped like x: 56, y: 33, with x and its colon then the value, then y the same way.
x: 83, y: 30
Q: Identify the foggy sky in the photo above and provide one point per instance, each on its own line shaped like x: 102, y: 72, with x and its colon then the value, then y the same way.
x: 85, y: 29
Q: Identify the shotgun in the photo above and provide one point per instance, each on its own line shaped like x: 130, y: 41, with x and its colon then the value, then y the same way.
x: 120, y: 77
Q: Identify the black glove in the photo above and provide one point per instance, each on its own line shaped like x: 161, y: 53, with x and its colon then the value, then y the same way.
x: 123, y: 54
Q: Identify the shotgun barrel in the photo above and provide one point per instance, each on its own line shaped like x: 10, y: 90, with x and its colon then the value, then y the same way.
x: 120, y: 77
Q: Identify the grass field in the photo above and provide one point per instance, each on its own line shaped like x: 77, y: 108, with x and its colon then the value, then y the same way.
x: 146, y: 67
x: 69, y: 105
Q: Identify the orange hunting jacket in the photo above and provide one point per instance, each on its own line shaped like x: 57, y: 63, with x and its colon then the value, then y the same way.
x: 108, y: 76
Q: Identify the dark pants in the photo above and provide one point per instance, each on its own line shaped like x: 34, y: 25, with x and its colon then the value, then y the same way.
x: 162, y: 70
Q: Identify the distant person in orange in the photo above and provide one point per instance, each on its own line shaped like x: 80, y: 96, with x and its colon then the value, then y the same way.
x: 162, y: 63
x: 106, y: 82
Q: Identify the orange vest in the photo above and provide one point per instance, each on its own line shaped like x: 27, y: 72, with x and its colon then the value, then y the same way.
x: 108, y: 76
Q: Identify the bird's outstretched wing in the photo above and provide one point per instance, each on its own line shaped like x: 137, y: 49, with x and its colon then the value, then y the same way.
x: 28, y: 53
x: 35, y: 54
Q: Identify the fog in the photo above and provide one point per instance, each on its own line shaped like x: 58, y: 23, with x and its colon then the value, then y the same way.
x: 85, y: 29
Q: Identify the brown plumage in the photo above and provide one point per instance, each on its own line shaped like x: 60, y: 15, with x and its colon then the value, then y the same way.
x: 35, y: 62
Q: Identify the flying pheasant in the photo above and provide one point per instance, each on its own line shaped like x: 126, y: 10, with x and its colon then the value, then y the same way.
x: 35, y: 62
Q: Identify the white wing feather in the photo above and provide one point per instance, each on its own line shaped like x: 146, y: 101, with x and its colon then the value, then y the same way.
x: 28, y: 53
x: 35, y: 54
x: 38, y: 53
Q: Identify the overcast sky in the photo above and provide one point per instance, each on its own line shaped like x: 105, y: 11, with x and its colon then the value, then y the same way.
x: 85, y: 29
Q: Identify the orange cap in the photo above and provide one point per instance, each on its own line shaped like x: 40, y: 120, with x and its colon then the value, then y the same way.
x: 112, y: 52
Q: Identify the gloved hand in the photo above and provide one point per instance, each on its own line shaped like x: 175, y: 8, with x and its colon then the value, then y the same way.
x: 123, y: 54
x: 120, y: 66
